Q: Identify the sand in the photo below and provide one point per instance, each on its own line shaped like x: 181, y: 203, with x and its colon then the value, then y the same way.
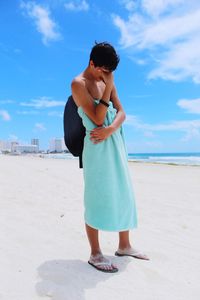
x: 43, y: 245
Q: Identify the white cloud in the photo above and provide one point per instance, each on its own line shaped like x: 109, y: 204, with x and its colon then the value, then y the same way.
x: 149, y: 134
x: 43, y: 102
x: 40, y: 126
x: 129, y: 4
x: 133, y: 121
x: 27, y: 112
x: 191, y: 106
x: 127, y: 38
x: 154, y: 144
x: 191, y: 134
x: 77, y: 5
x: 190, y: 128
x: 42, y: 19
x: 168, y: 33
x: 5, y: 115
x: 157, y: 7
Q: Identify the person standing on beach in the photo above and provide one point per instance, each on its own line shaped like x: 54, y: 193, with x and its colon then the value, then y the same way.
x: 108, y: 194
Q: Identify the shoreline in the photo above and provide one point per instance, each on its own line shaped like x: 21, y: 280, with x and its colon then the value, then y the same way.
x: 59, y: 156
x: 163, y: 163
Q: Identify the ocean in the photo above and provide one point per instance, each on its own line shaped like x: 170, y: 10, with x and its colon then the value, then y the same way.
x: 164, y: 158
x: 167, y: 158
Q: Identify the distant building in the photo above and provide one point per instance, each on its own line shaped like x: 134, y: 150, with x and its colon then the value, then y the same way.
x: 5, y: 146
x: 17, y: 148
x: 35, y: 142
x: 57, y: 145
x: 13, y: 145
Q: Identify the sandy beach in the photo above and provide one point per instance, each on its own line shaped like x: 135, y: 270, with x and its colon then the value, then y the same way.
x: 43, y: 244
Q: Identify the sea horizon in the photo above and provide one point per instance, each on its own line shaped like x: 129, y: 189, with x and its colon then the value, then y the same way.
x: 176, y: 158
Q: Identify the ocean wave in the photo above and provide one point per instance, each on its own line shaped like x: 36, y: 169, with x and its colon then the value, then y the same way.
x: 179, y: 160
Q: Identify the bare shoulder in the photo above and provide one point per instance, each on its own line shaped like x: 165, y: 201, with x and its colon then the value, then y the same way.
x: 78, y: 83
x: 79, y: 90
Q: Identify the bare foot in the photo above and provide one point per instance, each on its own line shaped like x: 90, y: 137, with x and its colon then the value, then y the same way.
x: 101, y: 263
x: 131, y: 252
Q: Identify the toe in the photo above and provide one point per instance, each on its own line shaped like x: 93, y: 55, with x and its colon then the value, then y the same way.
x: 142, y: 256
x: 114, y: 267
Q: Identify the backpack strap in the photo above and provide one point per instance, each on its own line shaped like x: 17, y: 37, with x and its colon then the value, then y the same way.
x: 80, y: 162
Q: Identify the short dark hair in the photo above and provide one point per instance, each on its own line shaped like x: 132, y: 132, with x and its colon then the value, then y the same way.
x: 104, y: 55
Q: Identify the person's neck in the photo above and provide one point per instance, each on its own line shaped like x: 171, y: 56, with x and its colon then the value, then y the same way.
x: 88, y: 74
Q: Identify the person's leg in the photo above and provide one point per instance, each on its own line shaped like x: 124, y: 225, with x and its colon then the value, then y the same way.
x: 93, y: 237
x: 96, y: 258
x: 124, y: 241
x: 125, y: 249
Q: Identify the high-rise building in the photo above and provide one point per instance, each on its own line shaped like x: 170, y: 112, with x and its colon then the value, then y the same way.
x: 57, y: 145
x: 35, y: 142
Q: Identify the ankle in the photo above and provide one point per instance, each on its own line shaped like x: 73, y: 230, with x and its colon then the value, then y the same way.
x: 124, y: 246
x: 95, y: 252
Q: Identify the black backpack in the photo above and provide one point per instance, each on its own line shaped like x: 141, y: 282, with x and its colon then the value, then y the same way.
x: 74, y: 131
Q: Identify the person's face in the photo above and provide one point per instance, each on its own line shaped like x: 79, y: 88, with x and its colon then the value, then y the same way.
x: 99, y: 72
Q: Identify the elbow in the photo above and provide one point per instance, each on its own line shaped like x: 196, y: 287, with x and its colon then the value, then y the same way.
x: 98, y: 122
x: 124, y: 116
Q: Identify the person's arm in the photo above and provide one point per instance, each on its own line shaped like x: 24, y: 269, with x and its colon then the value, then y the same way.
x: 81, y: 96
x: 120, y: 115
x: 99, y: 134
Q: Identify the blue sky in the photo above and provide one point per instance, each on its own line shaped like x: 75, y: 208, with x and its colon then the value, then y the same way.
x: 44, y: 44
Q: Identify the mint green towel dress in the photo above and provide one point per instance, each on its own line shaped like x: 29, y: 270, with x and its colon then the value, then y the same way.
x: 108, y: 193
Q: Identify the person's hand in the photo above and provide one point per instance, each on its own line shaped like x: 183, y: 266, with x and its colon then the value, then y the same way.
x: 108, y: 78
x: 99, y: 134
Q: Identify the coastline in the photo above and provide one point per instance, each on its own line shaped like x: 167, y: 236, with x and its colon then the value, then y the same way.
x: 177, y: 161
x: 162, y: 163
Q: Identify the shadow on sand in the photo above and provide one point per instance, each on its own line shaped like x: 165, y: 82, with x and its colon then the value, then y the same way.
x: 68, y: 279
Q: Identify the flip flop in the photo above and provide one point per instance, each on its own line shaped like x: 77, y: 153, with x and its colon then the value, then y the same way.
x: 97, y: 266
x: 134, y: 253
